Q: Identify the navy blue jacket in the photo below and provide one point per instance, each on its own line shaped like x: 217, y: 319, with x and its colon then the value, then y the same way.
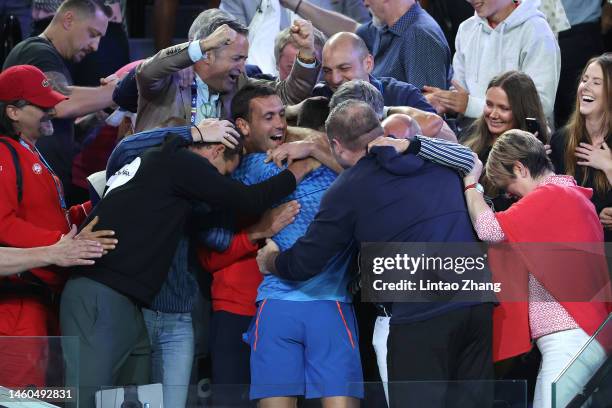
x: 394, y: 92
x: 385, y: 197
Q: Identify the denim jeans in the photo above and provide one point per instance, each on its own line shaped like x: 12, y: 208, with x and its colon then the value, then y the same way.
x: 171, y: 336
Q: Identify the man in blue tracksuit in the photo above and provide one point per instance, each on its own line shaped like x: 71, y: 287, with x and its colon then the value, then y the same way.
x: 384, y: 196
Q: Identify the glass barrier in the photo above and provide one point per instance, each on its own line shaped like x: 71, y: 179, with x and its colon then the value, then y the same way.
x: 587, y: 379
x: 460, y: 394
x: 33, y: 371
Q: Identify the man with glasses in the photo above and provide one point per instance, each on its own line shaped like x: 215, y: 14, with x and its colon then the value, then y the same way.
x: 33, y: 213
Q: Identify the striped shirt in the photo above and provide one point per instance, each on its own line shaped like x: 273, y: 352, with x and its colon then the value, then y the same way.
x: 445, y: 153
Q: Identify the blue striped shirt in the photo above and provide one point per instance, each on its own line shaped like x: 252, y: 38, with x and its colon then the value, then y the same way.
x: 413, y: 50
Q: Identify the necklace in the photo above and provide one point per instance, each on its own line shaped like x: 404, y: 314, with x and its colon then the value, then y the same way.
x: 47, y: 38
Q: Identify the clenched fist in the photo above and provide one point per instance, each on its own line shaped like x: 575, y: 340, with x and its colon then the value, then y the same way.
x: 303, y: 36
x: 221, y: 37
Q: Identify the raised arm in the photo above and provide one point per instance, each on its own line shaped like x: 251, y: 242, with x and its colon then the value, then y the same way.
x: 155, y: 74
x: 305, y: 72
x: 327, y: 21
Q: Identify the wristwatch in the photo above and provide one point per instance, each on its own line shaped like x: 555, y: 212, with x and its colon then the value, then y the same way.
x: 310, y: 60
x: 477, y: 186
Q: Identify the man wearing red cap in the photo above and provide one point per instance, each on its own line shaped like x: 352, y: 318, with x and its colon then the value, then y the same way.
x: 33, y: 213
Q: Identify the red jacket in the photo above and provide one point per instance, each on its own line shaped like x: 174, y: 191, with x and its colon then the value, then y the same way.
x: 236, y: 275
x: 559, y: 240
x: 39, y: 219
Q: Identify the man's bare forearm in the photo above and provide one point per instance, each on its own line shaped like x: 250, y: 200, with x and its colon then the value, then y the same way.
x: 15, y: 260
x: 84, y: 101
x: 327, y: 21
x: 322, y: 152
x: 446, y: 133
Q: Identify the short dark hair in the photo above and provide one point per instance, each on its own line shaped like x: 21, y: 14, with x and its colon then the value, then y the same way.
x: 209, y: 20
x: 313, y: 114
x: 241, y: 103
x: 354, y: 123
x: 228, y: 154
x: 85, y: 7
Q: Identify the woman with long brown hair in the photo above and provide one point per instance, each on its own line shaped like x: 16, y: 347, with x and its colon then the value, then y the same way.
x: 511, y: 98
x: 582, y: 148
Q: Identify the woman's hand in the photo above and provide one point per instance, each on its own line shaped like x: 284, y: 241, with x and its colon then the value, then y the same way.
x: 474, y: 175
x: 599, y: 158
x: 605, y: 216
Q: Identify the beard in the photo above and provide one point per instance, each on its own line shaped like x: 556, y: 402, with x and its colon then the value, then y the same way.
x: 45, y: 128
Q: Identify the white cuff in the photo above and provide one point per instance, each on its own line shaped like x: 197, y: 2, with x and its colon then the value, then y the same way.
x: 311, y: 65
x: 195, y: 52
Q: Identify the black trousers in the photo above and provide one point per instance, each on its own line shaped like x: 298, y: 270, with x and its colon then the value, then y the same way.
x: 231, y: 373
x: 445, y: 361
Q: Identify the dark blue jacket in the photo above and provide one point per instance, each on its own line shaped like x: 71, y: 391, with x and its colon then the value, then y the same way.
x: 394, y: 92
x: 385, y: 197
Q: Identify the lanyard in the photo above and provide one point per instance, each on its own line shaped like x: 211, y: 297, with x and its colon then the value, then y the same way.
x: 208, y: 109
x: 194, y: 102
x: 56, y: 181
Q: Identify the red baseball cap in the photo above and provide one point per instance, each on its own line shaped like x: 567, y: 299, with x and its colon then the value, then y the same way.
x: 30, y: 84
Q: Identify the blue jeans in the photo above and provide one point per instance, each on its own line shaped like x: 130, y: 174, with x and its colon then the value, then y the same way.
x: 171, y: 336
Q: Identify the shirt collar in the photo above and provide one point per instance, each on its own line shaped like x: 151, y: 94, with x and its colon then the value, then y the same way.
x: 559, y: 179
x: 205, y: 91
x: 376, y: 83
x: 405, y: 21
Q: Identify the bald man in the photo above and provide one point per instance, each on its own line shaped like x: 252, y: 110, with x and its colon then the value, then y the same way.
x: 407, y: 43
x: 401, y: 126
x: 346, y: 57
